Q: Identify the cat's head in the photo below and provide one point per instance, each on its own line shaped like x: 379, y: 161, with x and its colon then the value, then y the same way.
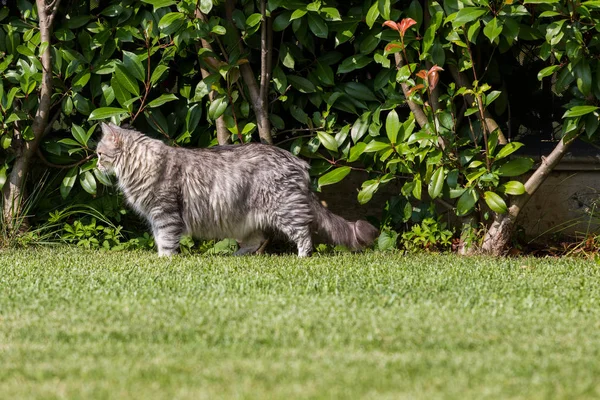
x: 110, y: 147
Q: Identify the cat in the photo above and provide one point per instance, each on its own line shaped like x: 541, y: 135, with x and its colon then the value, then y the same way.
x: 231, y: 191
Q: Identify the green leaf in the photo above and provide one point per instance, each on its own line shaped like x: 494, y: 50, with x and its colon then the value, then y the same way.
x: 466, y: 202
x: 436, y: 184
x: 171, y: 22
x: 495, y: 202
x: 206, y: 6
x: 282, y: 21
x: 366, y: 192
x: 68, y: 182
x: 164, y: 98
x: 515, y: 188
x: 516, y: 167
x: 372, y: 15
x: 106, y: 112
x: 2, y: 176
x: 88, y: 182
x: 392, y: 126
x: 360, y: 126
x: 133, y: 65
x: 126, y: 81
x: 332, y: 13
x: 354, y: 62
x: 157, y: 73
x: 121, y: 94
x: 334, y: 176
x: 359, y: 91
x: 80, y: 80
x: 327, y: 140
x: 79, y: 134
x: 468, y: 14
x: 376, y: 145
x: 385, y: 8
x: 508, y: 149
x: 159, y: 3
x: 493, y: 29
x: 217, y: 107
x: 547, y: 71
x: 578, y: 111
x: 325, y: 74
x: 387, y: 240
x: 301, y: 84
x: 583, y: 76
x: 253, y: 20
x: 298, y: 13
x: 356, y: 151
x: 317, y: 26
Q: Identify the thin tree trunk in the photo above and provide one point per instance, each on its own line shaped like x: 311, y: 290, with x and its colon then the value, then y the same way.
x: 462, y: 81
x: 223, y: 136
x: 13, y: 190
x: 498, y: 236
x: 259, y: 105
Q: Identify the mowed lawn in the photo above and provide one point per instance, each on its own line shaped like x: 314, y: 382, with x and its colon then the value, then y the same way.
x: 85, y: 324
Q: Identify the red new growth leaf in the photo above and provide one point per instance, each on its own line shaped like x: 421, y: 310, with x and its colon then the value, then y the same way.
x: 414, y: 88
x: 392, y: 47
x: 391, y: 24
x: 422, y: 74
x: 433, y: 77
x: 405, y: 24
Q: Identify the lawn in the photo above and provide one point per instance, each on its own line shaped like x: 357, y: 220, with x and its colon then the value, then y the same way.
x: 84, y: 324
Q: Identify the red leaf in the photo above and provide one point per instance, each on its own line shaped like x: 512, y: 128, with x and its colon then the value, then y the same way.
x: 414, y: 88
x: 433, y: 78
x: 422, y: 74
x: 391, y: 24
x: 405, y: 24
x: 391, y: 47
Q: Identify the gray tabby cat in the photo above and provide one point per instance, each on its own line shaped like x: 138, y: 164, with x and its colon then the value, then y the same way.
x: 236, y: 191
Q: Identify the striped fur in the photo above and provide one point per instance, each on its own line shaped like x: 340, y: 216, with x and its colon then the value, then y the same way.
x: 237, y: 191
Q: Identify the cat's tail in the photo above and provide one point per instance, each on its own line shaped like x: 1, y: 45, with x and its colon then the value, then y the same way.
x: 354, y: 235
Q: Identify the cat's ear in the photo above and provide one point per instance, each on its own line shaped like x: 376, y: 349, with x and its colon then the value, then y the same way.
x: 112, y: 134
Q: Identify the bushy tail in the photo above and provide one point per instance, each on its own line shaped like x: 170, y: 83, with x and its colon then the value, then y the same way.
x: 338, y: 231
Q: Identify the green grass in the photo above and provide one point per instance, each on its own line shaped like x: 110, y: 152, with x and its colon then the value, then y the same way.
x: 82, y: 324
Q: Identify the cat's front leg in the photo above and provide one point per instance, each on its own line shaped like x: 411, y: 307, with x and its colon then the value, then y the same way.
x: 167, y: 230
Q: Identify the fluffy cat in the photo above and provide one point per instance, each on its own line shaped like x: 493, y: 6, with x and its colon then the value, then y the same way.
x: 235, y: 191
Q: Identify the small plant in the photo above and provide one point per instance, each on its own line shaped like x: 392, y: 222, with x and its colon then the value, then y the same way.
x: 430, y: 234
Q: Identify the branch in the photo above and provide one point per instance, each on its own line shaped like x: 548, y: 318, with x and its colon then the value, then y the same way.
x: 258, y: 105
x: 416, y: 109
x: 541, y: 173
x: 223, y: 136
x: 45, y: 161
x: 265, y: 54
x: 13, y: 190
x: 462, y: 81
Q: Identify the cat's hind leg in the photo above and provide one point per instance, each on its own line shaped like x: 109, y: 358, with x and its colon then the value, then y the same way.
x: 301, y: 235
x: 250, y: 244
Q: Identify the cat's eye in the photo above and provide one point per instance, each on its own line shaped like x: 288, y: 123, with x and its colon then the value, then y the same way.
x: 99, y: 153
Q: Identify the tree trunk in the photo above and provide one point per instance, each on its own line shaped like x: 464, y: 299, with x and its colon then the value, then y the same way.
x: 258, y: 102
x: 498, y: 236
x: 13, y: 190
x: 222, y: 131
